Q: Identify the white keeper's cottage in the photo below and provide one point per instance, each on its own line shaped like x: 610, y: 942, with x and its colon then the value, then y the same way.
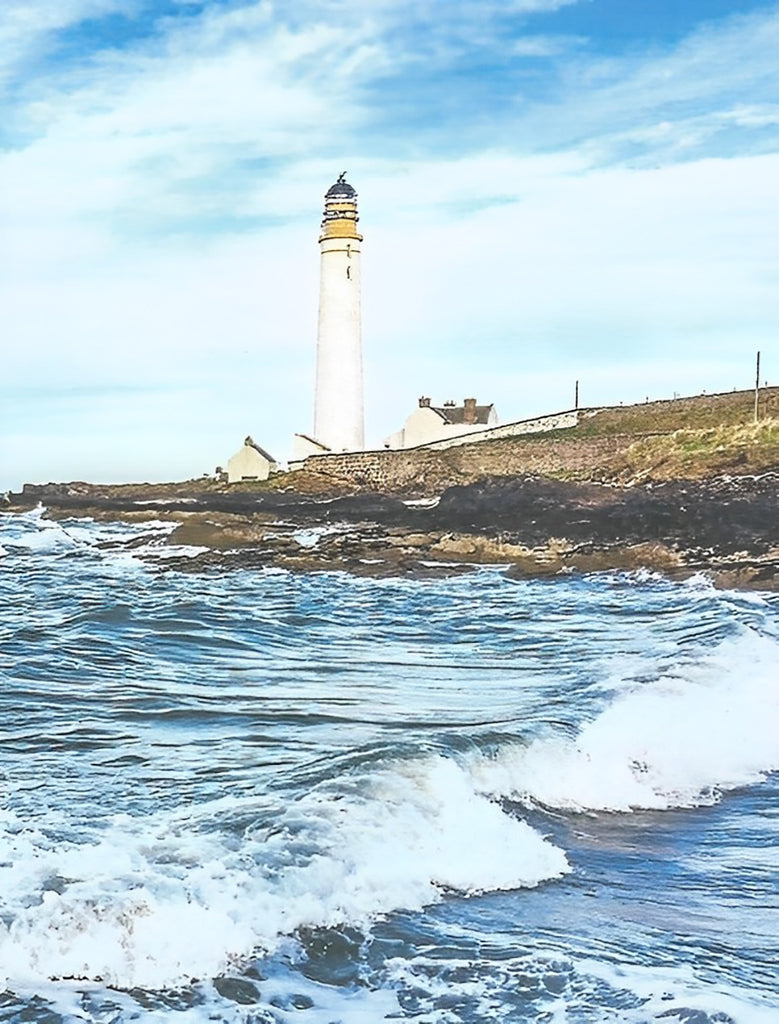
x: 430, y: 423
x: 250, y: 462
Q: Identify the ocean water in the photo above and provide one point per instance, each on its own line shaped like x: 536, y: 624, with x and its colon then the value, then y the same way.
x: 263, y: 797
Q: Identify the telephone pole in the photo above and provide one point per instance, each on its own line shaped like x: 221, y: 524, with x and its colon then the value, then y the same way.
x: 757, y: 385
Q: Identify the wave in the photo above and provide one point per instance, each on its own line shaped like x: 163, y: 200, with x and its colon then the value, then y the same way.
x: 157, y: 902
x: 34, y: 534
x: 679, y: 741
x: 30, y: 533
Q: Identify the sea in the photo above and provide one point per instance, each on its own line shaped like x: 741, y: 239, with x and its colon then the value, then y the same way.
x: 264, y: 797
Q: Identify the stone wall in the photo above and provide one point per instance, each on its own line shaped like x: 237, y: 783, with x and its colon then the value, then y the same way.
x: 422, y: 471
x: 555, y: 421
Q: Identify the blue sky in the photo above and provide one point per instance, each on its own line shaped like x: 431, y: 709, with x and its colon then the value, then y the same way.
x: 550, y: 190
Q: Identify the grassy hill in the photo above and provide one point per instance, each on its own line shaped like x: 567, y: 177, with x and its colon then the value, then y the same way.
x: 693, y: 454
x: 698, y: 412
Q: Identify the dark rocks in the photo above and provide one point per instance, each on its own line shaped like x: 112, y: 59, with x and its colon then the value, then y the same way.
x: 332, y: 955
x: 237, y: 990
x: 728, y: 526
x: 722, y: 517
x: 88, y: 499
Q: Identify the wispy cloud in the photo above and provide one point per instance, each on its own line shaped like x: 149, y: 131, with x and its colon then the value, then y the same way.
x: 669, y: 103
x: 28, y: 26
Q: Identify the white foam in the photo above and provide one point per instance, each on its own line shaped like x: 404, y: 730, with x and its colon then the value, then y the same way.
x: 645, y: 575
x: 675, y: 993
x: 581, y: 989
x: 278, y: 1001
x: 679, y: 741
x: 700, y: 584
x: 310, y: 537
x: 166, y: 501
x: 46, y: 537
x: 422, y: 502
x: 32, y: 533
x: 172, y: 550
x: 158, y: 902
x: 92, y: 533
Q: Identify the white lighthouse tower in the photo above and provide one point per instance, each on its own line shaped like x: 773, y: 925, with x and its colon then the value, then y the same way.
x: 338, y: 400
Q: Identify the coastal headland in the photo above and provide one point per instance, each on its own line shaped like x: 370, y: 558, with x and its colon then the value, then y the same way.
x: 681, y: 487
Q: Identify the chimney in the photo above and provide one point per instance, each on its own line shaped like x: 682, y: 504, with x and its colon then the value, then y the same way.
x: 469, y: 413
x: 424, y: 403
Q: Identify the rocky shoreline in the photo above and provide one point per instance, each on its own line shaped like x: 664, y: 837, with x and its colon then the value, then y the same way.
x: 726, y: 527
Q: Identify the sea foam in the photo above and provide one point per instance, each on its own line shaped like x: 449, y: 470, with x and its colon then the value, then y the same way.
x: 678, y: 741
x: 159, y: 901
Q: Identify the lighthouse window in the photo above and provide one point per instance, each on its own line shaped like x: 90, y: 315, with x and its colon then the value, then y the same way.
x: 349, y: 273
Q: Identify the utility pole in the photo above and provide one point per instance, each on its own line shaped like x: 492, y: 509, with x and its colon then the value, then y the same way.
x: 576, y: 396
x: 757, y: 385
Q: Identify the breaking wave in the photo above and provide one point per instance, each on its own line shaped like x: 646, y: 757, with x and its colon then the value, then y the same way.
x: 678, y: 741
x: 154, y: 903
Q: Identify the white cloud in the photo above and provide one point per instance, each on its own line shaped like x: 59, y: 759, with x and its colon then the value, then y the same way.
x: 27, y: 27
x: 544, y: 46
x: 637, y: 253
x: 684, y: 91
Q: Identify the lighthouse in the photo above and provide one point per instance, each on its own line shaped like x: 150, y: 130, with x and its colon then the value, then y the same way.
x: 338, y: 398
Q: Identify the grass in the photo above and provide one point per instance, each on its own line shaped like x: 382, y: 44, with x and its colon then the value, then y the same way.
x: 697, y: 412
x: 739, y: 448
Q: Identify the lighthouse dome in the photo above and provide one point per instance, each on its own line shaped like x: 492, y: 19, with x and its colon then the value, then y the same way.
x: 341, y: 189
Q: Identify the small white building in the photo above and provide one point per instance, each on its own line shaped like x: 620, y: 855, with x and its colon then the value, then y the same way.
x: 250, y: 463
x: 304, y: 445
x: 430, y: 423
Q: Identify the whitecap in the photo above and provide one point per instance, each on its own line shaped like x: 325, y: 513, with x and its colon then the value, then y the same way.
x: 156, y: 902
x: 678, y: 741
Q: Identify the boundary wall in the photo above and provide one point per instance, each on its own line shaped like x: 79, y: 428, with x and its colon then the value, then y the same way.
x: 554, y: 421
x: 419, y: 471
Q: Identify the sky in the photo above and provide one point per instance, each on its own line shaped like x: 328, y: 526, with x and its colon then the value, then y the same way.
x: 549, y: 191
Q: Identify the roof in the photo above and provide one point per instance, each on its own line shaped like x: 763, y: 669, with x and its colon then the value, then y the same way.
x: 261, y: 451
x: 341, y: 188
x: 313, y: 440
x: 455, y: 414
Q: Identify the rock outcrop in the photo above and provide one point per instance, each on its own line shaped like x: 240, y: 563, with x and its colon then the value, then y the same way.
x: 727, y: 526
